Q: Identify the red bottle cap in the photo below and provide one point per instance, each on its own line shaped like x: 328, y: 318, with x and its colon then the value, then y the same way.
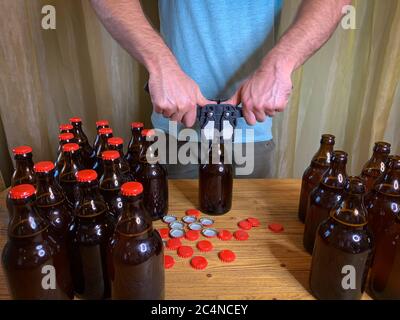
x: 173, y: 244
x: 86, y: 175
x: 192, y: 235
x: 192, y: 212
x: 131, y: 189
x: 225, y: 235
x: 168, y: 262
x: 245, y: 225
x: 100, y: 123
x: 164, y: 232
x: 22, y: 191
x: 43, y: 166
x: 65, y: 136
x: 275, y: 227
x: 68, y: 147
x: 75, y: 119
x: 199, y: 263
x: 105, y: 131
x: 115, y: 141
x: 110, y: 155
x: 185, y: 251
x: 148, y: 132
x: 241, y: 235
x: 204, y: 245
x: 254, y: 222
x: 137, y: 125
x: 22, y: 150
x: 65, y: 126
x: 226, y: 256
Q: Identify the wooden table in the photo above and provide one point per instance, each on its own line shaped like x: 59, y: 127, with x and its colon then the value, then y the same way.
x: 268, y: 265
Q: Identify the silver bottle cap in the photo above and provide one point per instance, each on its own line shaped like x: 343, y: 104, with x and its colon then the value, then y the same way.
x: 195, y: 226
x: 169, y: 218
x: 189, y: 219
x: 176, y: 225
x: 209, y: 232
x: 206, y: 221
x: 176, y: 233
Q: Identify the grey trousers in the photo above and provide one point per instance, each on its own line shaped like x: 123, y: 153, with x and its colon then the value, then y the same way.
x: 263, y: 160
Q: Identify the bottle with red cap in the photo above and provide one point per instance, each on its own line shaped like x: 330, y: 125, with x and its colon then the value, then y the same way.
x: 153, y: 176
x: 63, y: 138
x: 105, y: 134
x: 93, y: 228
x: 135, y: 146
x: 312, y: 175
x: 66, y: 128
x: 117, y: 143
x: 136, y: 257
x: 343, y: 248
x: 87, y: 152
x: 325, y: 197
x: 100, y: 124
x: 111, y: 181
x: 72, y: 164
x: 35, y: 266
x: 23, y: 172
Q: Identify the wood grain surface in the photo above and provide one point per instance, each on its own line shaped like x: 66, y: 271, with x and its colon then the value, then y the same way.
x: 267, y: 266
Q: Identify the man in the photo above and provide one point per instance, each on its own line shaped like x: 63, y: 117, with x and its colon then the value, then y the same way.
x: 219, y: 49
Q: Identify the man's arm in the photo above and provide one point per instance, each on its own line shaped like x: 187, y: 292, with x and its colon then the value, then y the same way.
x: 268, y: 89
x: 172, y: 92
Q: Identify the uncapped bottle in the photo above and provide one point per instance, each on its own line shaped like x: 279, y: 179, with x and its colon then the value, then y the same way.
x: 93, y: 228
x: 312, y: 175
x: 215, y: 182
x: 325, y: 197
x: 105, y: 134
x: 23, y: 172
x: 35, y: 266
x: 63, y: 138
x: 87, y: 152
x: 100, y: 124
x: 66, y: 128
x: 383, y: 202
x: 111, y: 181
x: 72, y: 164
x: 343, y: 248
x: 135, y: 147
x: 136, y: 258
x: 154, y: 179
x: 375, y: 166
x: 117, y: 143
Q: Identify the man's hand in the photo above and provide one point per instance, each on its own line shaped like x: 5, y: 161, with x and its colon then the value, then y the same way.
x: 175, y: 95
x: 266, y: 91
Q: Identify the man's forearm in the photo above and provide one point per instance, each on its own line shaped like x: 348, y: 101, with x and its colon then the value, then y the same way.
x: 126, y: 22
x: 315, y: 22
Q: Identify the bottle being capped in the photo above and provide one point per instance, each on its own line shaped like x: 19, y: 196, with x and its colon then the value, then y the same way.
x: 136, y: 251
x: 105, y: 134
x: 100, y: 124
x: 35, y: 266
x: 135, y: 147
x: 117, y: 143
x: 375, y: 166
x: 312, y: 175
x: 23, y: 173
x: 87, y: 152
x: 66, y: 128
x: 325, y: 197
x: 63, y: 138
x: 154, y: 179
x: 343, y: 245
x: 72, y: 164
x: 91, y: 233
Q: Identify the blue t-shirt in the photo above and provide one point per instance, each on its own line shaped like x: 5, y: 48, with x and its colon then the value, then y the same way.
x: 219, y: 43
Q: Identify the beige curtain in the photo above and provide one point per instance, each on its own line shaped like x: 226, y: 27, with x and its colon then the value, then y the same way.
x: 349, y: 88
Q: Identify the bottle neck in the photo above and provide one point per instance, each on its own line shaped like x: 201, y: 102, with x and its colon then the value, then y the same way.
x: 389, y: 183
x: 72, y: 159
x: 23, y: 161
x: 90, y: 203
x: 147, y: 154
x: 103, y: 143
x: 351, y: 212
x: 324, y: 154
x: 47, y: 188
x: 119, y: 148
x: 336, y: 175
x: 111, y: 168
x: 134, y: 220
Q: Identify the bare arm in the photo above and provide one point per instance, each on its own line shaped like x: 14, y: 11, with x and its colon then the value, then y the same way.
x: 173, y: 93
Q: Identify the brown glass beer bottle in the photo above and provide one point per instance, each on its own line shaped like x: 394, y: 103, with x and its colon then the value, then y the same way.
x: 325, y: 197
x: 319, y: 165
x: 66, y: 128
x: 383, y: 202
x: 136, y: 258
x: 375, y: 166
x: 63, y: 138
x: 34, y: 265
x: 153, y: 176
x: 215, y: 183
x: 93, y: 228
x: 72, y: 164
x: 111, y: 181
x: 23, y: 172
x: 343, y: 248
x: 87, y: 152
x: 134, y: 147
x: 100, y: 124
x: 105, y: 134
